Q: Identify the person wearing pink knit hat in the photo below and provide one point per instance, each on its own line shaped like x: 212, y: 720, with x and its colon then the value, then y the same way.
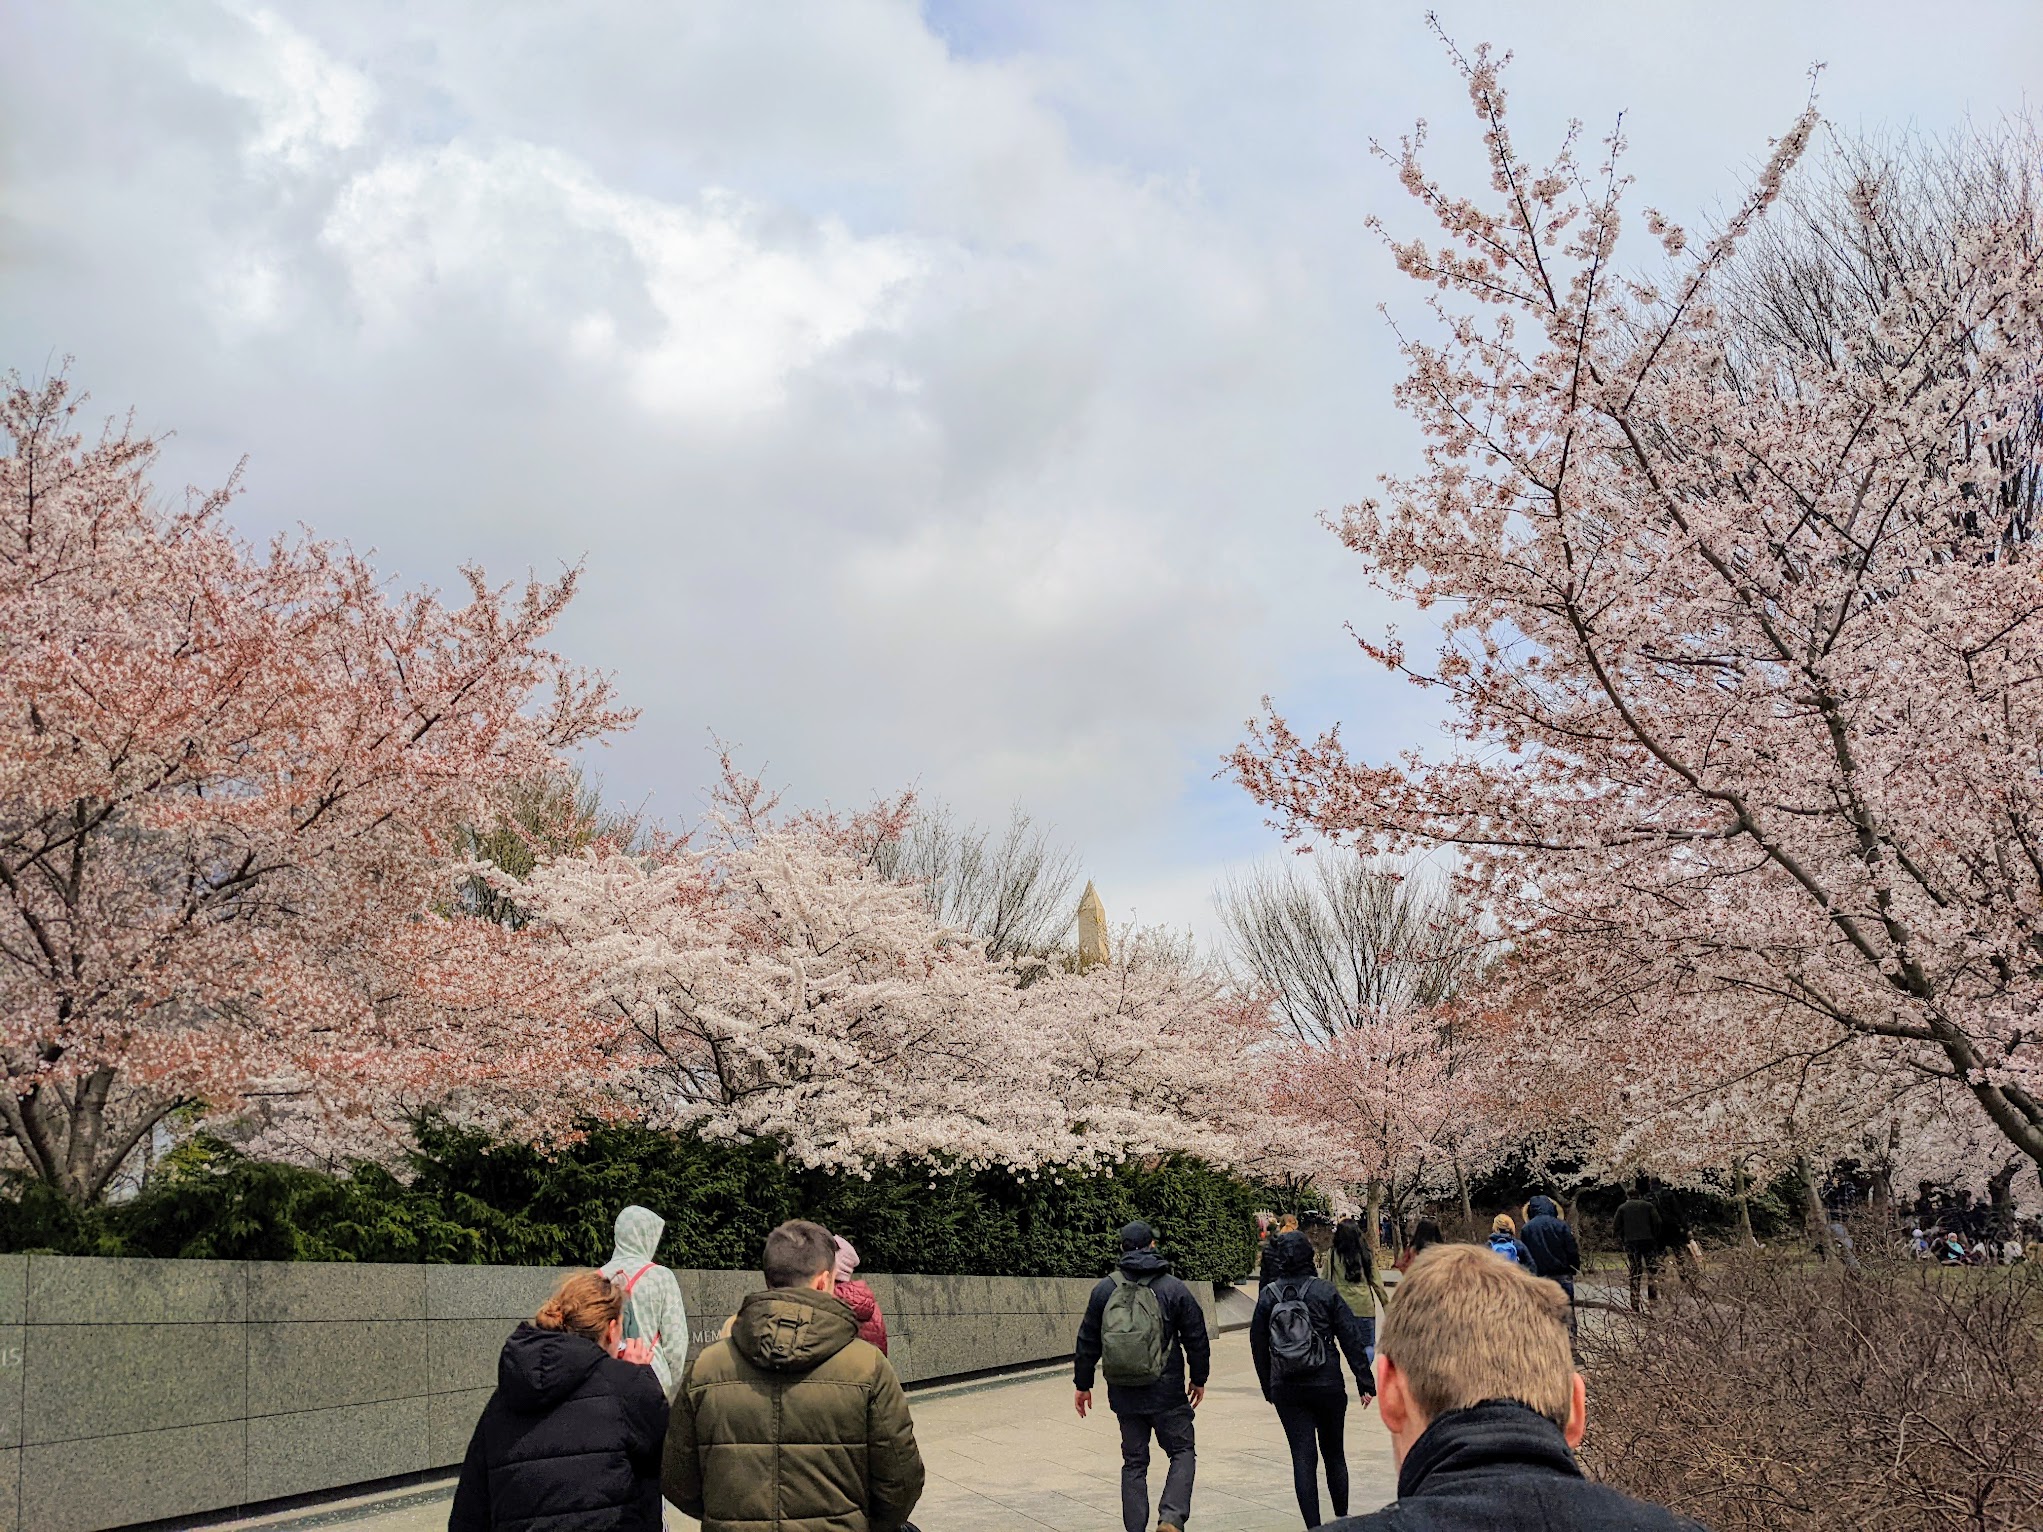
x: 859, y: 1298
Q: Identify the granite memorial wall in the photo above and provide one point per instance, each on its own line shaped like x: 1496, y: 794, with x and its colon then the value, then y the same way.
x: 137, y: 1390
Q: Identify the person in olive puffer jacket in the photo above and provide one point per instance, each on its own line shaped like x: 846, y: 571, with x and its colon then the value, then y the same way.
x: 791, y: 1423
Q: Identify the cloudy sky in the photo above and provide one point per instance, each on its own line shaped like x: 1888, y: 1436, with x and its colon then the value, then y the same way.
x: 940, y: 396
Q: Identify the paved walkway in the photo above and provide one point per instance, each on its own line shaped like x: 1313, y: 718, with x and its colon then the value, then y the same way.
x: 1014, y: 1454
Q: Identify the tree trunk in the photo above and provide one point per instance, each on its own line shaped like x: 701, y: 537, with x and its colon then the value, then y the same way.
x: 1883, y: 1173
x: 1373, y: 1209
x: 72, y: 1139
x: 2000, y: 1191
x: 1468, y: 1217
x: 1816, y: 1218
x: 1741, y: 1186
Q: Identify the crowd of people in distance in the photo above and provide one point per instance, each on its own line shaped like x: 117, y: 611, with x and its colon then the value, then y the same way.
x: 1954, y: 1230
x: 792, y: 1418
x: 1948, y: 1247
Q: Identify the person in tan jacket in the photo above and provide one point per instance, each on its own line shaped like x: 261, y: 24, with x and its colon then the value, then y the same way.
x: 791, y: 1423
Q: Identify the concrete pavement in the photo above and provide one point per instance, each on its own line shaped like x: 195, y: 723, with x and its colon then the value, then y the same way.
x: 1012, y: 1453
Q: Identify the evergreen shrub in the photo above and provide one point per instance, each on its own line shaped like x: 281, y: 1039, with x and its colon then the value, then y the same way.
x: 467, y: 1199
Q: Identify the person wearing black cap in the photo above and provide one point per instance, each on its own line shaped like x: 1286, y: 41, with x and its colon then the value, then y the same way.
x: 1145, y: 1331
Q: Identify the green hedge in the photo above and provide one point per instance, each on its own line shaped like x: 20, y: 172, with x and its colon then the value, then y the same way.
x: 470, y: 1200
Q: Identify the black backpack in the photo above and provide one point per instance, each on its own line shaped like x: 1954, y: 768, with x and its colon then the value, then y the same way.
x: 1297, y: 1345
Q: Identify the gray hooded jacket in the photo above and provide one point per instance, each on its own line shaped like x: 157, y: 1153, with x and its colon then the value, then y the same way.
x: 654, y: 1309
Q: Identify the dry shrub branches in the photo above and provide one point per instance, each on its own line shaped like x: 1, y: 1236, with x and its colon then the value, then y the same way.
x: 1784, y: 1397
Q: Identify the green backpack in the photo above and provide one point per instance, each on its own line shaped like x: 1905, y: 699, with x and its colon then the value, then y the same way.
x: 1132, y: 1349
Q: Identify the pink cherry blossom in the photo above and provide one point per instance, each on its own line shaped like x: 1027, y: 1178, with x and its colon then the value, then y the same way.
x: 1743, y: 645
x: 228, y: 779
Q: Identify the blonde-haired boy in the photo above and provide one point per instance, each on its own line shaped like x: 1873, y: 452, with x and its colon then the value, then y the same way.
x: 1477, y: 1385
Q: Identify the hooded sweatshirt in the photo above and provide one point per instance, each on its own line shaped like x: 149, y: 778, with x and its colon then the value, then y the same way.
x: 569, y: 1442
x: 654, y: 1310
x: 1551, y: 1242
x: 791, y: 1423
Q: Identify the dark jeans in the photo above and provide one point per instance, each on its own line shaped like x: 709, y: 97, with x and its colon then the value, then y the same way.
x: 1643, y: 1261
x: 1567, y: 1285
x: 1314, y: 1425
x: 1173, y: 1430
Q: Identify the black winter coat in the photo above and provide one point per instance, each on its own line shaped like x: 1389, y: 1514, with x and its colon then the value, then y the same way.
x: 1498, y: 1467
x: 1552, y: 1246
x: 1184, y: 1331
x: 1638, y: 1223
x: 569, y: 1442
x: 1345, y: 1330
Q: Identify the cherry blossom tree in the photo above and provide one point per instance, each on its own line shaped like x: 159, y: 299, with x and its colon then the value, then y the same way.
x: 1376, y: 1096
x: 1743, y: 665
x: 1363, y: 964
x: 772, y: 979
x: 779, y: 988
x: 227, y: 783
x: 1152, y: 1052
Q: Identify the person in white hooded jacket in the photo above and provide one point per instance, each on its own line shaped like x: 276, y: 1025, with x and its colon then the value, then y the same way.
x: 653, y: 1309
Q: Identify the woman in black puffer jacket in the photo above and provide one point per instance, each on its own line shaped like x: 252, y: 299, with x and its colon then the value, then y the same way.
x: 1311, y: 1400
x: 571, y: 1439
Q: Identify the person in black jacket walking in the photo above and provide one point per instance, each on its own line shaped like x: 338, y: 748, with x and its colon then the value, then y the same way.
x: 1164, y: 1405
x: 1638, y: 1229
x: 1311, y: 1400
x: 571, y: 1439
x: 1478, y: 1390
x: 1551, y: 1244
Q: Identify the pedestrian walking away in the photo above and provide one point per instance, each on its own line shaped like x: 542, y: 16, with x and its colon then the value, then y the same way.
x: 1638, y: 1230
x: 1425, y: 1235
x: 1476, y: 1384
x: 653, y: 1310
x: 570, y: 1440
x: 1504, y: 1242
x: 1551, y: 1243
x: 1147, y: 1333
x: 1549, y: 1240
x: 1301, y: 1329
x: 1678, y: 1253
x: 791, y: 1423
x: 1354, y: 1271
x: 859, y: 1298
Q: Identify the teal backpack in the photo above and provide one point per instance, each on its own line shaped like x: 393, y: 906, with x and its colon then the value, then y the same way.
x: 1132, y: 1346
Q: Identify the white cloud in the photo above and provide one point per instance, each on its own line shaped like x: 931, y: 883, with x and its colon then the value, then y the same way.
x: 248, y: 293
x: 307, y: 104
x: 703, y: 312
x: 934, y: 392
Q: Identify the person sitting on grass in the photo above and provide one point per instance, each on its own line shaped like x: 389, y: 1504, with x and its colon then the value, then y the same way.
x: 1477, y: 1386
